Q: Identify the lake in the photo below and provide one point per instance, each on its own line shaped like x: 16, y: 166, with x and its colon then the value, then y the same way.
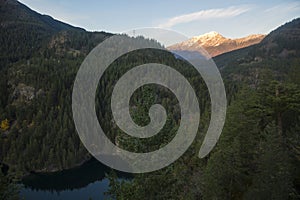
x: 85, y: 182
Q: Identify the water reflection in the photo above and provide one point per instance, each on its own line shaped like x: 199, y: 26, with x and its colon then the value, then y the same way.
x: 84, y: 182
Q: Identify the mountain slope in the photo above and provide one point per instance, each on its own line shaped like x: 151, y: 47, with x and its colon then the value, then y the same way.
x: 36, y: 86
x: 13, y: 13
x: 282, y: 42
x: 278, y: 53
x: 23, y: 30
x: 39, y: 58
x: 216, y: 44
x: 257, y: 156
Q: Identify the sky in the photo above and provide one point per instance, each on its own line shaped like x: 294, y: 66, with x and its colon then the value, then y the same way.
x: 231, y: 18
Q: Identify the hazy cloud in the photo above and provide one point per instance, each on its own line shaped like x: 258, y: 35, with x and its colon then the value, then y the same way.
x: 287, y: 7
x: 205, y: 14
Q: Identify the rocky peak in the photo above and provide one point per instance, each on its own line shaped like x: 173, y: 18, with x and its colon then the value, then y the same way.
x: 215, y: 43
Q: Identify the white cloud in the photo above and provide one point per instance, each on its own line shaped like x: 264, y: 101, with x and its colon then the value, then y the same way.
x: 286, y: 8
x: 205, y: 14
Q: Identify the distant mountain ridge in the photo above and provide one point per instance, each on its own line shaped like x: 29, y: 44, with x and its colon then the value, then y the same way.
x: 24, y: 31
x: 215, y: 44
x: 14, y: 12
x: 283, y: 41
x: 278, y: 53
x: 39, y: 60
x: 33, y: 44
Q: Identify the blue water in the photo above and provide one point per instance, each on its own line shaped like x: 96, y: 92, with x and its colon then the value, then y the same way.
x: 85, y: 182
x: 93, y: 191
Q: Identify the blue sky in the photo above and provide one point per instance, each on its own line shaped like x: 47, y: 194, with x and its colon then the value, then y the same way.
x: 231, y: 18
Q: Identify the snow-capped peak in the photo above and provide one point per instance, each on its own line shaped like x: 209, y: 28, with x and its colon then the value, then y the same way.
x: 209, y: 35
x: 216, y: 44
x: 212, y: 38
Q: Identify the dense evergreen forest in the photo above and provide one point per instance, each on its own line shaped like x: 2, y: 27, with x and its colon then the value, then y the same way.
x: 257, y: 156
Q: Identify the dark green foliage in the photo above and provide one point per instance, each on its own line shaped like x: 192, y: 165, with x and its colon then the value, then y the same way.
x: 257, y: 157
x: 44, y: 54
x: 274, y: 175
x: 8, y: 189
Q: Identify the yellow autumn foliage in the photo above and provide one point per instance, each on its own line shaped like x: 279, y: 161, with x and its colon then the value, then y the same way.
x: 4, y: 125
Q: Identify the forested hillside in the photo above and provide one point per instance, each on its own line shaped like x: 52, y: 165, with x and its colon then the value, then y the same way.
x: 257, y: 156
x: 39, y: 60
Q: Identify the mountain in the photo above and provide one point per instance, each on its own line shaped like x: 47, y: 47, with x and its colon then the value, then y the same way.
x: 216, y: 44
x: 24, y: 30
x: 278, y: 54
x: 39, y: 58
x: 15, y: 13
x: 283, y: 42
x: 257, y: 156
